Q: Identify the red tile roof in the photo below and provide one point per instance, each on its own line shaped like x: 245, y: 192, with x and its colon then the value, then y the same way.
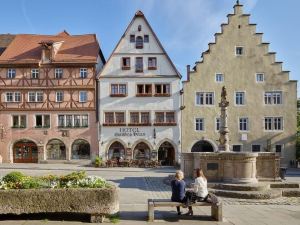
x: 26, y: 48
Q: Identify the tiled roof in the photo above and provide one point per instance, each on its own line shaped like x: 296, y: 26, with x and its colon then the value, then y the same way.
x: 74, y: 48
x: 5, y: 40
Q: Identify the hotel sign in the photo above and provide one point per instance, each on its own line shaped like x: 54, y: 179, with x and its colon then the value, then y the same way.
x: 130, y: 132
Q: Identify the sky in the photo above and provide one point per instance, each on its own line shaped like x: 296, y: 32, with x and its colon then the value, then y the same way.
x: 184, y: 27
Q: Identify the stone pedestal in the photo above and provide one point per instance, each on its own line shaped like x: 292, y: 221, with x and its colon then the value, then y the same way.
x: 41, y: 154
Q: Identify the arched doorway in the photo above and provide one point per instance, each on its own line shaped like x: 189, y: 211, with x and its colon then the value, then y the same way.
x: 116, y: 151
x: 166, y: 154
x: 80, y: 149
x: 141, y: 151
x: 202, y: 146
x: 56, y: 150
x: 25, y: 151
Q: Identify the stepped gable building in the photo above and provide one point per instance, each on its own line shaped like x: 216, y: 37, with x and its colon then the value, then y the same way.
x: 262, y: 110
x: 140, y: 99
x: 47, y: 97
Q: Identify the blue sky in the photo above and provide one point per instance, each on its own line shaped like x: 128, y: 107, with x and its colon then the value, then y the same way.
x: 184, y: 27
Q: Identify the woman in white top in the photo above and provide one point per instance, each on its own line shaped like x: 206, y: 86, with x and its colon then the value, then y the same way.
x: 200, y: 186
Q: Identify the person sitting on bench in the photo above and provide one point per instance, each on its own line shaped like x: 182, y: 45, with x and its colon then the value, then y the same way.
x: 200, y: 186
x: 178, y: 191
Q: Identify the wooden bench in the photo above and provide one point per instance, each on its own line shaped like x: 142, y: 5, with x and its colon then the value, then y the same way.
x: 216, y: 206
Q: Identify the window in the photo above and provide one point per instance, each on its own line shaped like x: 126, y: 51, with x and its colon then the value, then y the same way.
x: 145, y: 118
x: 170, y: 117
x: 205, y: 98
x: 278, y: 149
x: 144, y: 90
x: 35, y: 96
x: 132, y: 38
x: 239, y: 51
x: 109, y: 117
x: 59, y: 96
x: 42, y: 121
x: 139, y: 64
x: 240, y: 98
x: 134, y: 117
x: 13, y: 96
x: 73, y: 121
x: 117, y: 118
x: 83, y: 72
x: 218, y: 124
x: 152, y: 63
x: 125, y: 63
x: 146, y: 38
x: 118, y: 90
x: 159, y: 117
x: 219, y: 77
x: 11, y: 73
x: 273, y: 98
x: 19, y: 121
x: 199, y: 122
x: 58, y: 73
x: 139, y: 42
x: 82, y: 96
x: 273, y: 123
x: 244, y: 124
x: 236, y: 148
x: 162, y: 89
x: 34, y: 73
x: 255, y: 148
x: 260, y: 77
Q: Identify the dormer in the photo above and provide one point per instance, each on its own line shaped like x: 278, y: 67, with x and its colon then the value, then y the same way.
x: 49, y: 50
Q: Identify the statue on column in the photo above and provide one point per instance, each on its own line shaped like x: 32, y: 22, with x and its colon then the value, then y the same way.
x: 224, y: 138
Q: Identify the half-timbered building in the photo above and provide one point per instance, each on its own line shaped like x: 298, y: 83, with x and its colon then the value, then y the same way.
x: 47, y: 97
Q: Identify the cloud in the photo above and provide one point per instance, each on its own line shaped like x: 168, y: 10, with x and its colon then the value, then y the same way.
x: 27, y: 19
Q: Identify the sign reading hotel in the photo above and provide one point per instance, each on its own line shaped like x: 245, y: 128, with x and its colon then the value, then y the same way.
x: 129, y: 132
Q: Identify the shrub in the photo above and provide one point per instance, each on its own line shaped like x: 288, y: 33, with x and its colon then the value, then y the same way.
x: 98, y: 161
x: 13, y: 177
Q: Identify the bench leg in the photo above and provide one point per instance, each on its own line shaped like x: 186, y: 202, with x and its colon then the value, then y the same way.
x: 97, y: 218
x: 150, y: 211
x: 216, y: 212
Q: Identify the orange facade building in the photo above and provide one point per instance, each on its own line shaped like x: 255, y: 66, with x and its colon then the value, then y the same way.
x: 48, y: 91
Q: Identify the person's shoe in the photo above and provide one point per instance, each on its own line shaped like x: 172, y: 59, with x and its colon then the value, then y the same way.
x: 179, y: 213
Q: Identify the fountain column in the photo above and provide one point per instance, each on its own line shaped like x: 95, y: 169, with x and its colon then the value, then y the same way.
x: 224, y: 137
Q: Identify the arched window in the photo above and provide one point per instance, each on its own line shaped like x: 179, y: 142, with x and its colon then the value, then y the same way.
x: 56, y: 150
x: 116, y: 151
x: 80, y: 149
x: 139, y: 42
x: 141, y: 151
x: 202, y: 146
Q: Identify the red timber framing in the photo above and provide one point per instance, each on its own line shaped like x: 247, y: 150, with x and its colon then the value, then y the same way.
x: 70, y: 84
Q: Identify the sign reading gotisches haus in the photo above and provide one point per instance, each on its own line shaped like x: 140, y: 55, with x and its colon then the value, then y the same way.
x: 130, y: 132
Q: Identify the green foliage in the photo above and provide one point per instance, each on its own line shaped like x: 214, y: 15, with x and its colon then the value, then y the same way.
x: 114, y: 218
x: 13, y: 177
x: 98, y: 161
x: 78, y: 179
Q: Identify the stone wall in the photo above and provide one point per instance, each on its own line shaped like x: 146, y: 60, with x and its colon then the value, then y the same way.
x: 241, y: 167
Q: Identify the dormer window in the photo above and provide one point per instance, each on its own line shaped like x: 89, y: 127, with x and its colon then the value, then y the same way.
x: 139, y: 42
x: 132, y: 38
x: 146, y: 38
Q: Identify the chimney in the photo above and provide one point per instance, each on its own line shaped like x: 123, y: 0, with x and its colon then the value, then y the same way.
x: 188, y: 70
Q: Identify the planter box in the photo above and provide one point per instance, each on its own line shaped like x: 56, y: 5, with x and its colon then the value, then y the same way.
x: 97, y: 202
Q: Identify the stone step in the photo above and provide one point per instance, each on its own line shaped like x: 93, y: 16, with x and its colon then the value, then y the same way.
x: 284, y: 185
x: 241, y: 187
x: 269, y: 194
x: 291, y: 192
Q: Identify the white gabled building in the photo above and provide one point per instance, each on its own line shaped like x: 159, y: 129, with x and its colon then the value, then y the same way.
x: 139, y: 99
